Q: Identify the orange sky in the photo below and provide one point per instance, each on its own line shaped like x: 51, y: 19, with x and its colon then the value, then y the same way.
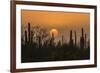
x: 62, y: 21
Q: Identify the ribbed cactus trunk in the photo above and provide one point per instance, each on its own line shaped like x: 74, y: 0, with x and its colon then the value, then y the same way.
x: 52, y: 38
x: 85, y: 42
x: 25, y: 37
x: 29, y: 31
x: 75, y: 39
x: 62, y: 39
x: 70, y: 35
x: 31, y: 37
x: 71, y: 39
x: 82, y: 39
x: 82, y: 33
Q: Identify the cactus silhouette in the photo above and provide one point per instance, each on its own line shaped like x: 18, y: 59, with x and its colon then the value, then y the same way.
x: 75, y: 39
x: 29, y: 33
x: 82, y: 39
x: 40, y: 46
x: 26, y: 37
x: 71, y: 39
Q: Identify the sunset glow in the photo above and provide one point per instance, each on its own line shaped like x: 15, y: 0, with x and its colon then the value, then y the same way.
x: 54, y: 31
x: 58, y: 22
x: 54, y: 36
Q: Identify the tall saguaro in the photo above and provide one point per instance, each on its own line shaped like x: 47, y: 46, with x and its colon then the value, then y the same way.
x: 62, y: 39
x: 82, y: 42
x: 52, y: 38
x: 85, y: 41
x: 25, y: 37
x: 75, y: 39
x: 71, y: 39
x: 29, y: 33
x: 31, y: 37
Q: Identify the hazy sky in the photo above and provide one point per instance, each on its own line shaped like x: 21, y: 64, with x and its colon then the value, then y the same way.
x: 63, y: 22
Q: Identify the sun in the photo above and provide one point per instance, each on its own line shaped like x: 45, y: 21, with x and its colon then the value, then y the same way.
x: 54, y: 31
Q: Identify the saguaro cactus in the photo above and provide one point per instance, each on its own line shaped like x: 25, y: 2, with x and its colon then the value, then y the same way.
x: 25, y: 37
x: 82, y: 39
x: 75, y: 39
x: 71, y: 39
x: 31, y: 37
x: 29, y: 33
x: 62, y: 39
x: 85, y: 41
